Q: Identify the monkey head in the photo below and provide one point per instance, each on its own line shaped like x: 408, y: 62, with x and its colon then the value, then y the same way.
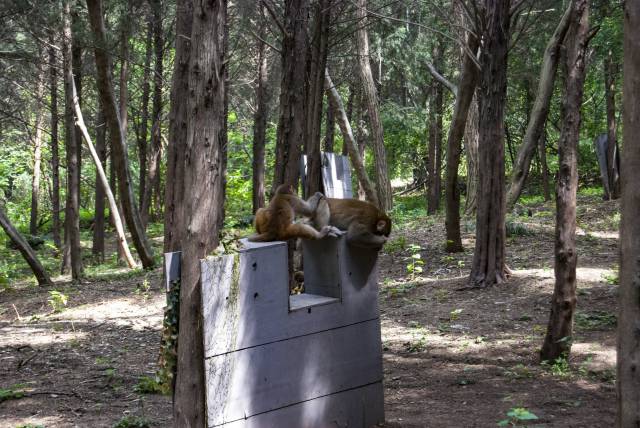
x: 285, y: 189
x: 383, y: 225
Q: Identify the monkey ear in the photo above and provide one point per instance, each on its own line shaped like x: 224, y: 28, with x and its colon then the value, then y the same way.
x: 380, y: 225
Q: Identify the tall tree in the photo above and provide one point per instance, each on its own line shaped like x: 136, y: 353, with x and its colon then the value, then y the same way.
x: 144, y: 114
x: 383, y: 184
x: 156, y: 112
x: 538, y: 117
x: 293, y: 108
x: 72, y: 256
x: 55, y: 156
x: 466, y: 88
x: 260, y: 118
x: 97, y: 247
x: 610, y: 71
x: 37, y: 152
x: 489, y: 265
x: 203, y: 188
x: 116, y: 133
x: 628, y: 379
x: 557, y: 341
x: 434, y: 155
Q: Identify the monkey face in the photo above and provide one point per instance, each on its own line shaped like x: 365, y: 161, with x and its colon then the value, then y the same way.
x: 383, y: 226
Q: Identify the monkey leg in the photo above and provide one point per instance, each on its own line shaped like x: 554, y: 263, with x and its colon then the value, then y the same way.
x: 261, y: 237
x: 301, y: 230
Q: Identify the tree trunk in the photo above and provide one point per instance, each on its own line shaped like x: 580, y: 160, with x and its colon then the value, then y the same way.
x: 260, y: 121
x: 315, y: 95
x: 610, y: 71
x: 434, y: 157
x: 178, y: 119
x: 122, y: 241
x: 329, y: 139
x: 203, y: 188
x: 72, y: 254
x: 55, y: 156
x: 628, y: 376
x: 542, y: 152
x: 466, y: 88
x: 489, y: 265
x: 293, y: 109
x: 471, y: 145
x: 156, y: 112
x: 25, y: 249
x: 144, y: 115
x: 383, y: 184
x: 37, y: 154
x: 98, y: 224
x: 120, y: 156
x: 349, y: 141
x: 558, y: 339
x: 76, y: 61
x: 538, y: 117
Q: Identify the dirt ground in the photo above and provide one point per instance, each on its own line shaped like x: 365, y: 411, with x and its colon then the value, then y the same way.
x: 453, y: 357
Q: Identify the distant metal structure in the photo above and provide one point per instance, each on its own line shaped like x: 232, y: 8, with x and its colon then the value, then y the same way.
x: 336, y: 175
x: 307, y: 360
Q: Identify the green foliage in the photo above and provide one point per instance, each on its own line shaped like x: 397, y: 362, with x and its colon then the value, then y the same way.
x: 595, y: 320
x: 612, y: 277
x: 516, y: 416
x: 57, y: 300
x: 396, y: 245
x: 169, y: 343
x: 515, y: 228
x: 415, y: 262
x: 12, y: 393
x: 150, y: 385
x: 129, y: 421
x: 407, y: 210
x: 558, y: 367
x: 30, y: 426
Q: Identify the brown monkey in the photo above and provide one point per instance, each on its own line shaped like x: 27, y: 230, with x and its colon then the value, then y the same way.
x: 275, y: 222
x: 366, y: 225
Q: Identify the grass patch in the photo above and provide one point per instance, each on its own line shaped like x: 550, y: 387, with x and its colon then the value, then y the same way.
x: 14, y: 392
x: 133, y: 422
x: 596, y: 320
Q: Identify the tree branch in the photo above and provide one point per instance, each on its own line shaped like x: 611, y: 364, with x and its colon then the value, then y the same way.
x: 269, y: 8
x: 443, y: 80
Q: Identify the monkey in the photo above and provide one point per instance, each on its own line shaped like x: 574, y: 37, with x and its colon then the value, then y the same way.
x: 365, y: 224
x: 275, y: 222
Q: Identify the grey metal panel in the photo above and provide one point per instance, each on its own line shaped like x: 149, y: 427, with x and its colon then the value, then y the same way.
x: 307, y: 300
x: 171, y: 268
x: 361, y: 407
x: 336, y: 176
x: 261, y: 312
x: 256, y: 380
x: 322, y: 267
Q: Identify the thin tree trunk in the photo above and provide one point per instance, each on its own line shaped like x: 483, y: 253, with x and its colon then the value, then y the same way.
x: 76, y: 47
x: 260, y: 121
x: 144, y: 115
x: 610, y: 71
x: 122, y: 241
x: 156, y: 112
x: 542, y: 152
x: 434, y: 164
x: 489, y: 267
x: 315, y: 95
x: 628, y: 375
x: 383, y: 184
x: 98, y: 224
x: 55, y: 156
x: 349, y: 112
x: 73, y: 256
x: 558, y: 339
x: 25, y: 249
x: 203, y: 188
x: 178, y: 119
x: 37, y: 154
x: 471, y: 137
x: 105, y: 89
x: 293, y: 109
x: 329, y: 137
x: 541, y: 106
x: 349, y: 141
x: 466, y: 88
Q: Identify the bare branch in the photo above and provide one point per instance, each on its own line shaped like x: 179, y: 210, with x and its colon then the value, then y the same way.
x: 271, y: 11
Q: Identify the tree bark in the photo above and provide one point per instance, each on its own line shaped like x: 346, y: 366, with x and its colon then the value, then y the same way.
x: 37, y: 154
x: 260, y: 120
x: 203, y: 188
x: 55, y: 156
x: 315, y: 95
x: 329, y: 137
x: 466, y: 88
x: 541, y: 106
x: 144, y: 115
x: 471, y: 137
x: 178, y: 116
x: 72, y: 253
x: 25, y: 249
x: 76, y: 61
x: 383, y: 184
x: 120, y: 156
x: 349, y: 141
x: 542, y: 152
x: 489, y: 267
x: 293, y: 109
x: 122, y: 241
x: 434, y: 157
x: 558, y: 339
x: 610, y: 71
x: 98, y: 224
x: 156, y: 112
x: 628, y: 375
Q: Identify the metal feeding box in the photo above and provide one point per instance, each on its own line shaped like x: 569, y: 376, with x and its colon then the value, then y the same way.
x: 308, y: 360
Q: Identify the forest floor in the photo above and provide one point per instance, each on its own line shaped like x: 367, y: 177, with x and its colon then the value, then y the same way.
x: 452, y: 357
